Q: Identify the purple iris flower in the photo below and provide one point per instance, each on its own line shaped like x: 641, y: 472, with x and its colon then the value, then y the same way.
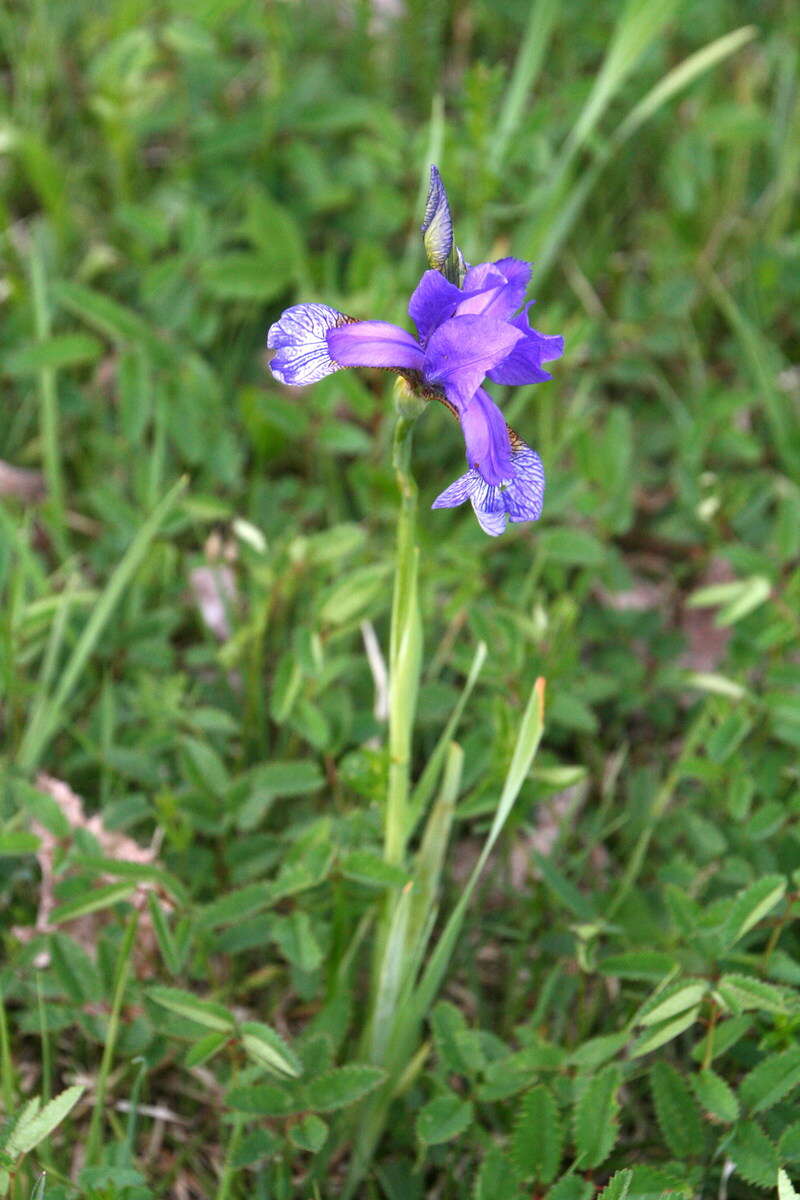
x: 472, y: 324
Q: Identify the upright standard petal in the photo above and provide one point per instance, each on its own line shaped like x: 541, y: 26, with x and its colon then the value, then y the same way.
x: 437, y: 224
x: 432, y: 302
x: 374, y: 344
x: 300, y: 339
x: 496, y: 289
x: 463, y: 350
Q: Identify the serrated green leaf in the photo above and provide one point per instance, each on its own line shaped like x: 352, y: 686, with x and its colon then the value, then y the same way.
x: 343, y: 1086
x: 261, y: 1143
x: 205, y: 1048
x: 203, y: 766
x: 595, y: 1120
x: 662, y: 1034
x: 789, y: 1145
x: 235, y: 906
x: 743, y: 992
x: 315, y: 1051
x: 40, y: 1123
x: 516, y: 1072
x: 537, y: 1141
x: 295, y: 877
x: 443, y: 1118
x: 618, y: 1186
x: 726, y: 1034
x: 266, y: 1100
x: 496, y: 1177
x: 93, y: 901
x: 17, y: 1122
x: 678, y: 1116
x: 660, y: 1183
x: 268, y: 1048
x: 447, y: 1022
x: 310, y: 1134
x: 109, y: 1180
x: 295, y: 937
x: 715, y: 1096
x: 772, y: 1079
x: 752, y: 904
x: 640, y: 964
x: 598, y: 1050
x: 677, y: 1001
x: 185, y: 1004
x: 570, y: 1187
x: 754, y: 1155
x: 785, y: 1189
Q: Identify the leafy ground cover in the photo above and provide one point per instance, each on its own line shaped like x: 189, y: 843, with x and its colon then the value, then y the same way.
x: 214, y: 984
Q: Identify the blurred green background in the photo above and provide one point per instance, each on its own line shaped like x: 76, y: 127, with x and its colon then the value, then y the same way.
x: 171, y: 177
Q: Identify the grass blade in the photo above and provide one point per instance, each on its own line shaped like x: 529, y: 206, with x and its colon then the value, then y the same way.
x: 430, y: 859
x: 638, y: 26
x: 120, y: 980
x: 553, y: 229
x: 48, y: 717
x: 526, y: 71
x: 528, y: 738
x: 423, y: 791
x: 48, y: 398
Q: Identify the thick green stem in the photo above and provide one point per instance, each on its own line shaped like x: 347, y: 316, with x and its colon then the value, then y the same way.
x: 405, y: 645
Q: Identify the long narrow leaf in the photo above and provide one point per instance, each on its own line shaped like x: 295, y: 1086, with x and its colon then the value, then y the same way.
x: 553, y: 227
x: 528, y: 738
x: 39, y: 731
x: 422, y: 793
x: 526, y: 70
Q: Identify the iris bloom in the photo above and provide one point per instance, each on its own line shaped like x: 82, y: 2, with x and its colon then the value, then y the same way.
x: 472, y: 324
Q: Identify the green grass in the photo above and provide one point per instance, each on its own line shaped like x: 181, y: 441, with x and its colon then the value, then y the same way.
x: 279, y: 955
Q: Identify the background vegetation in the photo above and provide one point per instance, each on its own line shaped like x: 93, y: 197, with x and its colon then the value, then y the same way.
x: 184, y: 591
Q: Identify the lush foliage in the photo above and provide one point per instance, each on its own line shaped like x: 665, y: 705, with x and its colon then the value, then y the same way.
x: 214, y: 977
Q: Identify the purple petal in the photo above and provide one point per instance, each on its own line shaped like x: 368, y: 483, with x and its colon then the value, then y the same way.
x: 495, y: 289
x: 437, y: 225
x: 462, y: 350
x: 300, y: 339
x: 483, y: 276
x: 524, y: 497
x: 552, y: 344
x: 433, y: 301
x: 524, y: 363
x: 518, y: 275
x: 374, y: 344
x: 519, y: 499
x: 491, y: 518
x: 493, y: 523
x: 486, y: 437
x: 456, y: 493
